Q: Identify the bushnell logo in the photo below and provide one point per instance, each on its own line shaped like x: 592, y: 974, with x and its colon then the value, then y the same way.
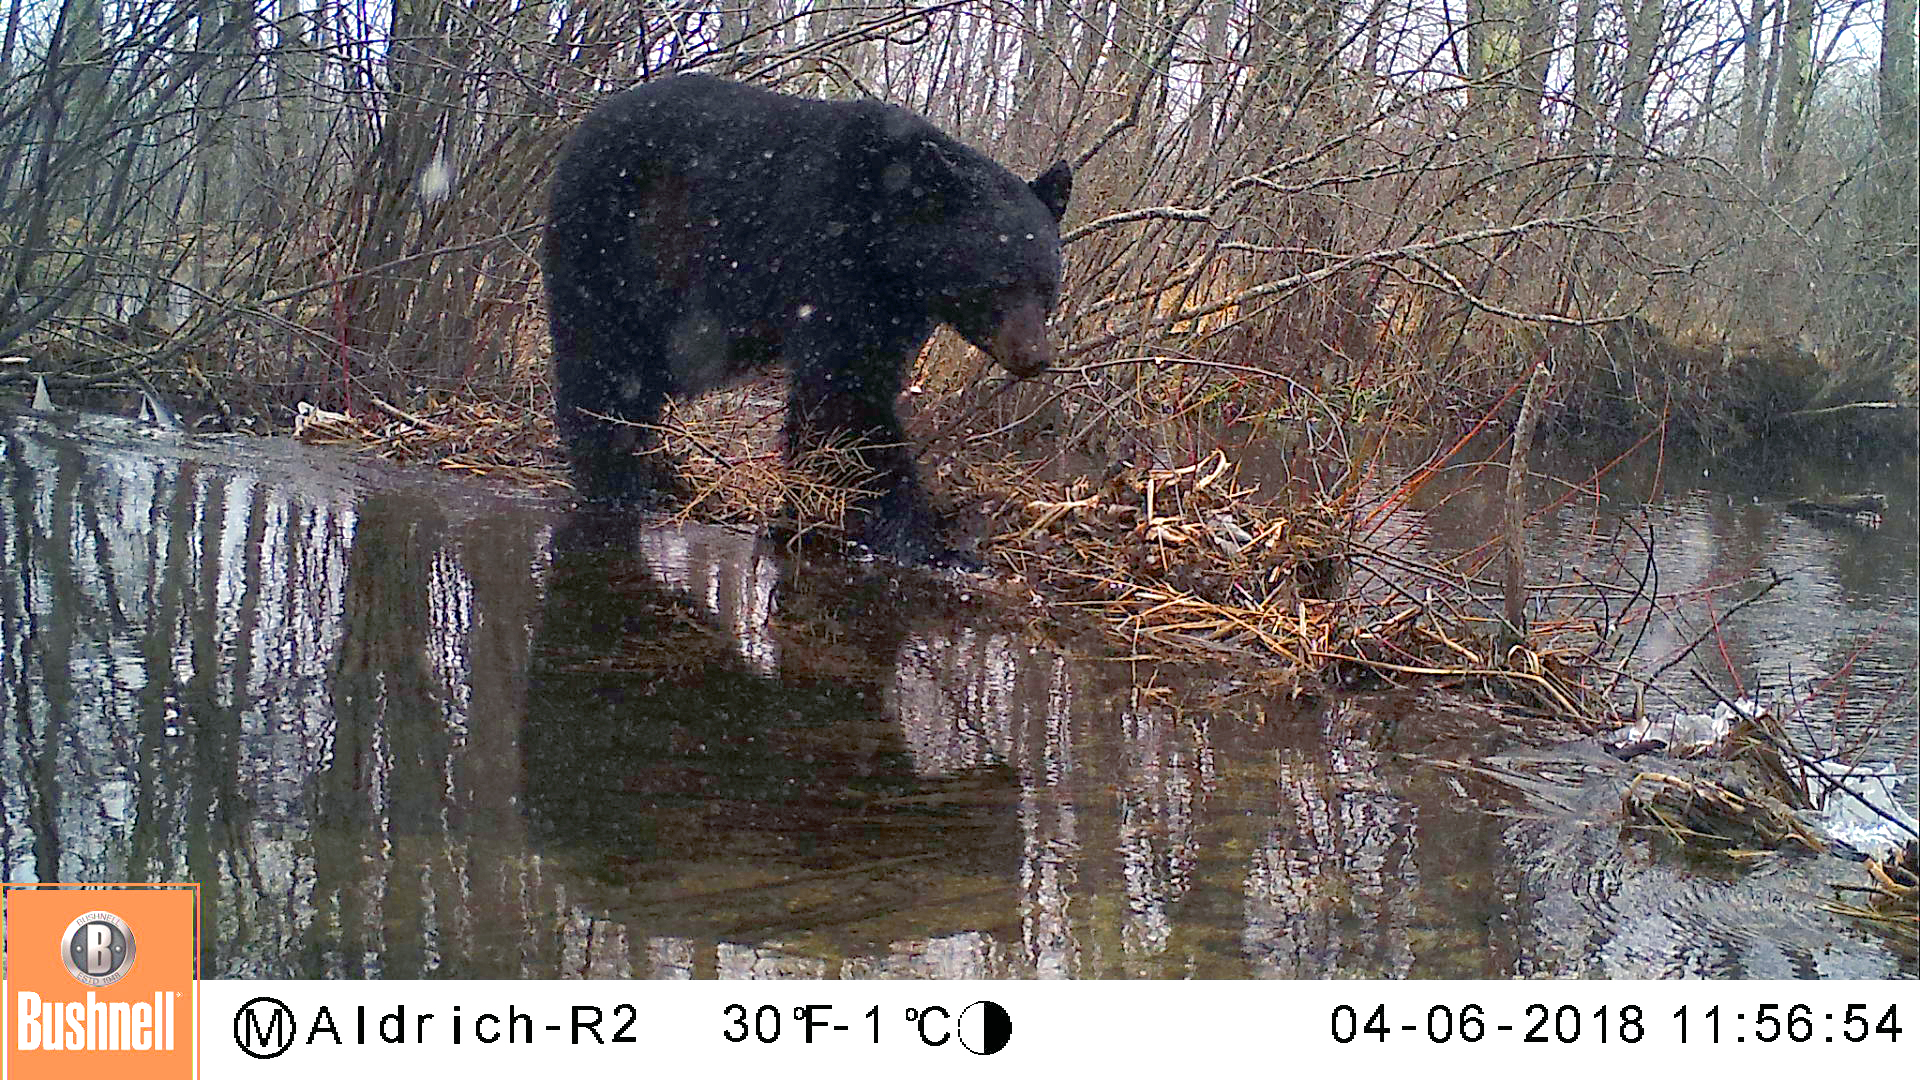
x: 98, y: 948
x: 85, y: 1000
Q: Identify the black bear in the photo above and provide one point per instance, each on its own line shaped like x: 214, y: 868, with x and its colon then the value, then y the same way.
x: 702, y: 228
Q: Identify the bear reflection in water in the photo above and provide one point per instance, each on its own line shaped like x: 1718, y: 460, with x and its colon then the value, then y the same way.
x: 713, y: 788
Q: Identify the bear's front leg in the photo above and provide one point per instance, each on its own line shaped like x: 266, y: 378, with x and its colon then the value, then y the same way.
x: 851, y: 406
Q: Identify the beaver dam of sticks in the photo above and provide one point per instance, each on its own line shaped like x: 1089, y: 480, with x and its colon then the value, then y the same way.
x: 1177, y: 564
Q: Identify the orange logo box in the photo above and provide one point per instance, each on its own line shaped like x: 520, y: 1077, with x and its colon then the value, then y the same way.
x: 101, y: 981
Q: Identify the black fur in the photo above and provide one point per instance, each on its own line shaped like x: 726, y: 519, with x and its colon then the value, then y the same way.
x: 701, y: 229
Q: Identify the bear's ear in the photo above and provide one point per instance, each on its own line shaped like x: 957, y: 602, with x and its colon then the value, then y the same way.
x: 1053, y: 188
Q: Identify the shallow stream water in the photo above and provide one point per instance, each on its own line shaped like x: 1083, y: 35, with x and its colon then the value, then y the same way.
x: 406, y: 726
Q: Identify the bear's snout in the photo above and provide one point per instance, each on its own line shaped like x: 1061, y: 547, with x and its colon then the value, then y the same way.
x: 1024, y: 360
x: 1019, y: 342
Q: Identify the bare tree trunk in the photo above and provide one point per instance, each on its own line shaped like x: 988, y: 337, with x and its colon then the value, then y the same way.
x: 1643, y: 40
x: 1796, y: 84
x: 1026, y: 79
x: 981, y: 86
x: 76, y: 35
x: 1575, y: 270
x: 1897, y: 81
x: 409, y: 135
x: 1769, y: 86
x: 1537, y: 51
x: 1585, y: 60
x: 1215, y: 75
x: 1504, y: 79
x: 7, y: 45
x: 293, y: 91
x: 216, y: 189
x: 1753, y: 77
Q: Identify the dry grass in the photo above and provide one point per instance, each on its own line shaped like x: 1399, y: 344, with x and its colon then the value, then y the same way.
x: 727, y: 448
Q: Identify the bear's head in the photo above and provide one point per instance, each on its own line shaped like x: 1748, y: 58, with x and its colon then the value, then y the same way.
x: 976, y: 247
x: 1004, y: 311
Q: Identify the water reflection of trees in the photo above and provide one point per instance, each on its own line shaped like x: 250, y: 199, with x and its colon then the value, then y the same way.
x: 404, y: 733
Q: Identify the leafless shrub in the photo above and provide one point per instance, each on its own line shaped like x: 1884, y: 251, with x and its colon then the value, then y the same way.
x: 259, y: 205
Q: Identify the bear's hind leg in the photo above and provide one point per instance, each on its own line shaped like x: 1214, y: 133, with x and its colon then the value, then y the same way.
x: 610, y: 389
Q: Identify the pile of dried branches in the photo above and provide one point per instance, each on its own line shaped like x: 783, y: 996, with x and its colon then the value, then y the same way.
x: 1175, y: 562
x: 1412, y: 638
x: 1741, y: 800
x: 726, y: 449
x: 478, y: 436
x: 1700, y: 812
